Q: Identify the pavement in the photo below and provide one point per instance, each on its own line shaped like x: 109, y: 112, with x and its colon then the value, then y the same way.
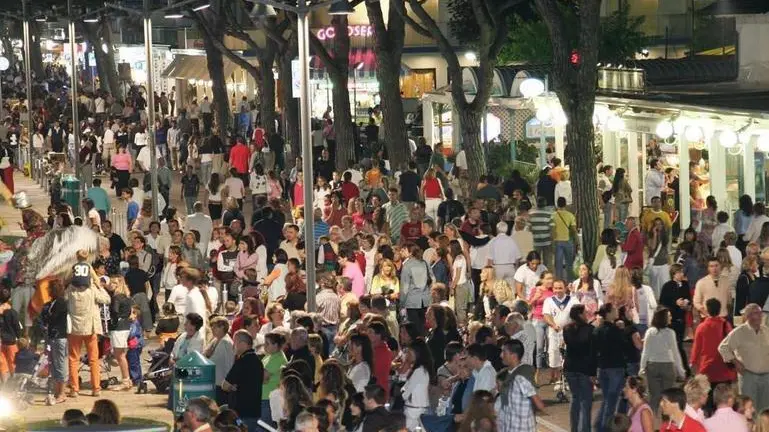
x: 153, y: 406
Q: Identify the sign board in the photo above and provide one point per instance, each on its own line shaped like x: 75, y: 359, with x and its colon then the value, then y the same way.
x: 296, y: 88
x: 535, y: 130
x: 352, y: 31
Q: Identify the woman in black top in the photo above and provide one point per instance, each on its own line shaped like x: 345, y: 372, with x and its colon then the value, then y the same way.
x: 744, y: 281
x: 579, y: 367
x: 611, y: 363
x: 632, y: 346
x: 676, y: 296
x: 54, y: 316
x: 120, y: 325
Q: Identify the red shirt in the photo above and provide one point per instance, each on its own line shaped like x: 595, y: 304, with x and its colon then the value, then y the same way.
x: 705, y: 356
x: 410, y: 231
x: 471, y: 228
x: 689, y: 425
x: 333, y: 217
x: 384, y: 358
x: 239, y: 158
x: 432, y: 188
x: 634, y: 248
x: 360, y: 258
x: 259, y: 137
x: 349, y: 191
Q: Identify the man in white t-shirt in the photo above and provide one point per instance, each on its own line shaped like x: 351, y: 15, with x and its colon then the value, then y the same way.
x: 461, y: 160
x: 504, y: 254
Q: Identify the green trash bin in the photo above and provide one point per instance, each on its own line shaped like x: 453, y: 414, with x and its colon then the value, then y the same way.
x: 70, y: 191
x: 194, y: 376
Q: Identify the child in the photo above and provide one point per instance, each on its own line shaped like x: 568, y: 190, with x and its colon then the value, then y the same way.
x: 135, y: 346
x: 10, y: 332
x: 26, y: 358
x: 230, y: 310
x: 250, y: 287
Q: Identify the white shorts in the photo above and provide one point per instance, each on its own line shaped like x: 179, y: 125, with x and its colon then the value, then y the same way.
x: 119, y: 338
x: 554, y: 342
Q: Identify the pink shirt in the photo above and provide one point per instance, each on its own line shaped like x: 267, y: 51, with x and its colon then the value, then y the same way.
x: 298, y: 195
x: 352, y: 271
x: 635, y: 421
x: 121, y: 161
x: 726, y: 419
x: 536, y: 312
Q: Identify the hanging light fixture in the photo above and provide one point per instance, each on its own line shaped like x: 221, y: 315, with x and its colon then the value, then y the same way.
x: 665, y: 129
x: 762, y: 143
x: 693, y: 133
x: 531, y: 87
x: 543, y: 114
x: 727, y: 138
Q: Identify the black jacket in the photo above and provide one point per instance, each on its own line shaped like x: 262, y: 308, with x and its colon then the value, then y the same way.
x: 580, y: 349
x: 376, y: 420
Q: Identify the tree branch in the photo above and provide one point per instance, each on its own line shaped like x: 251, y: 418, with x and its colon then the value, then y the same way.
x: 401, y: 9
x: 208, y: 33
x: 322, y: 52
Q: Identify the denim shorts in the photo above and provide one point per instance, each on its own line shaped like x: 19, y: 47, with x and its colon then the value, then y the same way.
x: 59, y: 359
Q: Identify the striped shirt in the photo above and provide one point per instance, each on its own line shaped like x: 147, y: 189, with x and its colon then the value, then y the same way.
x: 319, y: 230
x: 329, y: 306
x: 397, y: 214
x: 541, y: 227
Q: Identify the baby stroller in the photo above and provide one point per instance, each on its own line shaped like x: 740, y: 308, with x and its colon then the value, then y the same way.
x: 561, y: 387
x: 105, y: 354
x: 160, y: 370
x: 37, y: 382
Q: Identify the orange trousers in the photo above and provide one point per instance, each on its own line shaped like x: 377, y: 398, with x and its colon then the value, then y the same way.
x: 8, y: 358
x: 92, y: 349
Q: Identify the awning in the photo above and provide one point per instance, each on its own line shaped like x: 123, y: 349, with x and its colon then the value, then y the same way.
x: 195, y: 67
x: 362, y: 63
x: 725, y: 50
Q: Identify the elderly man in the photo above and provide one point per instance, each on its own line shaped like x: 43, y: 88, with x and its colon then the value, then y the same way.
x: 504, y: 254
x: 520, y: 329
x: 244, y: 380
x: 747, y: 347
x: 197, y: 416
x: 298, y: 349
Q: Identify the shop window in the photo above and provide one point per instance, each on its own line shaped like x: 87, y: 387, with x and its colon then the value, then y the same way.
x: 417, y: 82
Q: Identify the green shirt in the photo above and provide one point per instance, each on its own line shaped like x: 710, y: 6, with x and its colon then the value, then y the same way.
x: 272, y: 363
x: 99, y: 198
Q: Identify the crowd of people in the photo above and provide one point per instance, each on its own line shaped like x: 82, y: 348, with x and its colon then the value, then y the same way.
x: 440, y: 304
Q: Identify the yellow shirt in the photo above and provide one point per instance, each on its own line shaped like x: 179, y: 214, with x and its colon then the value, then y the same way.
x: 648, y: 217
x: 564, y: 220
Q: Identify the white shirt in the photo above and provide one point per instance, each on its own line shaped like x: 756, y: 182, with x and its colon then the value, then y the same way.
x: 479, y: 256
x: 459, y: 266
x: 735, y: 255
x: 356, y: 176
x: 235, y: 187
x: 718, y: 234
x: 754, y: 230
x: 173, y: 137
x: 485, y: 378
x: 178, y: 297
x: 360, y: 375
x: 655, y: 181
x: 140, y: 139
x: 660, y: 347
x: 201, y: 223
x: 98, y: 104
x: 563, y: 189
x: 559, y: 315
x: 415, y: 389
x: 504, y: 250
x: 461, y: 160
x: 606, y: 273
x: 109, y: 137
x: 528, y: 277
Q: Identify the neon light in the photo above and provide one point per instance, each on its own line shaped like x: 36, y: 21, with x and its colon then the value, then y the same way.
x: 352, y: 31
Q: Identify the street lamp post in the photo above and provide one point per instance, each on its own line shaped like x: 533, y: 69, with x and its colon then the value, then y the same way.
x: 27, y: 74
x: 302, y: 25
x: 74, y: 87
x: 151, y: 109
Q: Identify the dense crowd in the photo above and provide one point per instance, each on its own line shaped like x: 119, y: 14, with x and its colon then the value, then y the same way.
x: 441, y: 304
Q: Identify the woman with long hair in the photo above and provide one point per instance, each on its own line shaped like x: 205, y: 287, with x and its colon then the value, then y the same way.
x: 608, y: 338
x: 745, y: 279
x: 579, y: 366
x: 386, y: 281
x: 459, y: 287
x: 763, y: 237
x: 123, y: 164
x: 232, y: 212
x: 415, y: 390
x: 658, y: 243
x: 295, y: 399
x: 54, y: 315
x: 274, y: 185
x: 107, y: 412
x: 528, y: 274
x: 495, y: 291
x: 641, y: 414
x: 728, y: 276
x: 588, y: 291
x: 661, y: 362
x: 119, y: 326
x: 646, y: 301
x: 621, y: 292
x: 191, y: 253
x: 247, y: 257
x: 214, y: 189
x: 321, y: 190
x: 536, y: 299
x: 623, y: 194
x: 431, y: 191
x: 257, y: 182
x: 221, y: 351
x: 362, y: 356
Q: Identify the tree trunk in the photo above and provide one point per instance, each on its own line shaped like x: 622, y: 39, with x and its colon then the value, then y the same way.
x: 470, y: 120
x: 388, y: 46
x: 292, y: 131
x: 215, y: 64
x: 345, y: 137
x: 36, y: 55
x: 267, y: 87
x: 581, y: 160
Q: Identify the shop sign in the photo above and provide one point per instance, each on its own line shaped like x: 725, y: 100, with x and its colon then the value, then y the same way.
x: 534, y: 130
x: 352, y: 31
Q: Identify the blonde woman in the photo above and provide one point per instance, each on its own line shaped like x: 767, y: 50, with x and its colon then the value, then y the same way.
x: 697, y: 390
x: 729, y: 272
x: 495, y: 291
x: 119, y: 326
x: 622, y: 294
x: 386, y: 280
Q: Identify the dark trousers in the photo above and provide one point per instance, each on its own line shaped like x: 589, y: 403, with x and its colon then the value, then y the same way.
x: 417, y: 317
x: 680, y: 329
x: 478, y: 312
x: 581, y: 387
x: 611, y: 381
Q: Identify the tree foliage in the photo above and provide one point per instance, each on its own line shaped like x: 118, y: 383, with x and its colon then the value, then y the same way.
x: 621, y: 37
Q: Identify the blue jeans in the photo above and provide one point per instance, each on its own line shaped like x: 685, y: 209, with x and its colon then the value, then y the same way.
x: 329, y: 331
x: 611, y: 380
x: 622, y: 210
x: 540, y: 357
x: 581, y: 401
x: 189, y: 203
x: 631, y: 369
x: 608, y: 209
x: 266, y: 415
x: 564, y: 260
x: 250, y: 423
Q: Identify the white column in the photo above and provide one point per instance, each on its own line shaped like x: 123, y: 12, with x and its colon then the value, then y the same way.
x: 632, y: 168
x: 560, y: 131
x: 428, y: 120
x: 717, y: 157
x: 749, y: 168
x: 683, y: 181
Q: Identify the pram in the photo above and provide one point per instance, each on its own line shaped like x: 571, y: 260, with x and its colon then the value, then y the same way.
x: 37, y: 382
x: 105, y: 354
x: 561, y: 387
x: 160, y: 370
